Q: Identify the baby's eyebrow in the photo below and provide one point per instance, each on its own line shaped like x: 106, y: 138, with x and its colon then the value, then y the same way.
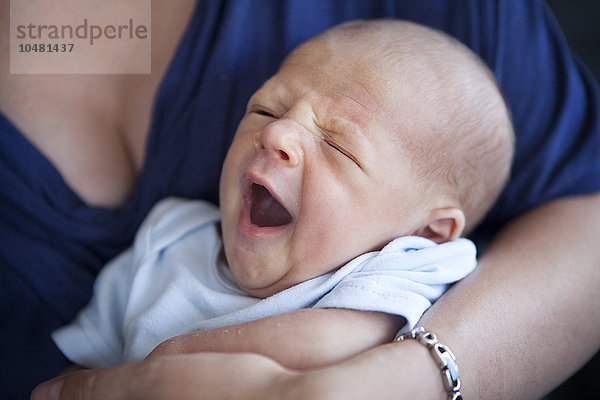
x: 345, y: 128
x: 270, y: 91
x: 348, y: 113
x: 353, y: 100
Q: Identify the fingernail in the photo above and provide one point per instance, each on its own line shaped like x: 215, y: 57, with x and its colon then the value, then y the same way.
x: 49, y: 390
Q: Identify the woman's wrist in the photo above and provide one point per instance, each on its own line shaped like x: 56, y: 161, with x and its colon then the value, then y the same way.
x: 407, y: 372
x: 443, y: 357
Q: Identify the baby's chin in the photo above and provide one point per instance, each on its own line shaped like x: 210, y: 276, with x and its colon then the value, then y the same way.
x: 266, y: 286
x: 261, y: 293
x: 264, y: 292
x: 255, y: 284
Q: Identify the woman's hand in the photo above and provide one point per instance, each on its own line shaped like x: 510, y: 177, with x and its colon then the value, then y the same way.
x: 187, y: 376
x: 251, y: 376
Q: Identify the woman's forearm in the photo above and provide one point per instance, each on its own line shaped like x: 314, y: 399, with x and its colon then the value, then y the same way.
x: 299, y: 340
x: 528, y: 317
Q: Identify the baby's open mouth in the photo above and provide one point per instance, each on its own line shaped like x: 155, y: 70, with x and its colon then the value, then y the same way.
x: 265, y: 211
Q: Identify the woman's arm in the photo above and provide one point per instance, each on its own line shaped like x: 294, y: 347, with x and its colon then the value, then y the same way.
x: 528, y: 317
x: 302, y: 339
x: 521, y: 324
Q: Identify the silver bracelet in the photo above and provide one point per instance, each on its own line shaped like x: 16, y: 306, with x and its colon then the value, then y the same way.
x: 443, y: 358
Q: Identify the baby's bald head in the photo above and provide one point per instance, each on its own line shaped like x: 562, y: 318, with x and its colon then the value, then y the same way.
x: 445, y: 105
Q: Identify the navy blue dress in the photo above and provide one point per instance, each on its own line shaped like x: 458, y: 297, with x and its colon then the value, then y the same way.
x: 52, y: 244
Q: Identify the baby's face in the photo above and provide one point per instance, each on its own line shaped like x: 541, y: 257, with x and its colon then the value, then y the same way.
x: 315, y: 175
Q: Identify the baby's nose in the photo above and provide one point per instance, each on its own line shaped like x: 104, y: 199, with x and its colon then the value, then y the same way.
x: 281, y: 139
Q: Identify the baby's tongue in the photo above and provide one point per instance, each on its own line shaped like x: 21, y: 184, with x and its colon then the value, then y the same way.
x: 265, y: 210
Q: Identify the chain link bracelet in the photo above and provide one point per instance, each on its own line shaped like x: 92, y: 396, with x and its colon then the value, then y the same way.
x: 443, y: 358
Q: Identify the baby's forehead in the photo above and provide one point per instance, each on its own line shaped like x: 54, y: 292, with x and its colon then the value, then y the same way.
x: 392, y: 68
x: 387, y: 47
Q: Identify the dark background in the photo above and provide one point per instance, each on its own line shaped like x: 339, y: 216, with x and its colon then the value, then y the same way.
x: 580, y: 21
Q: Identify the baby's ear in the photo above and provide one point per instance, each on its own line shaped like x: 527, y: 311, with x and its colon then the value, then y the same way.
x: 443, y: 225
